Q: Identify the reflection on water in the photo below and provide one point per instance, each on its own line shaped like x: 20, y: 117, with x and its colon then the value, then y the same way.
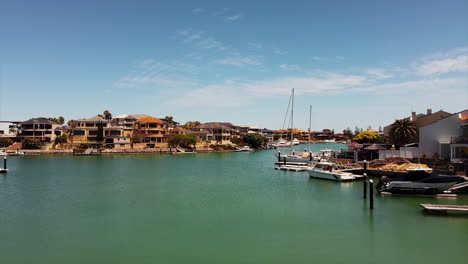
x: 208, y: 208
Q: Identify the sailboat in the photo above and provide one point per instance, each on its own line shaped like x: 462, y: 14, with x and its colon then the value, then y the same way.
x: 294, y: 156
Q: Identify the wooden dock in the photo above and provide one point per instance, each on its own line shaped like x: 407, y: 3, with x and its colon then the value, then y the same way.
x: 444, y: 209
x: 440, y: 195
x: 291, y: 168
x: 291, y: 163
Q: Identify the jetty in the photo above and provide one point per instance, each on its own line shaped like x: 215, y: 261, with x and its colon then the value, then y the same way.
x: 440, y: 195
x: 291, y: 168
x: 87, y: 152
x: 444, y: 209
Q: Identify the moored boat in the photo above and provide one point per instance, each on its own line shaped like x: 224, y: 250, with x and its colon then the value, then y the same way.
x: 418, y: 181
x: 327, y: 171
x: 244, y: 149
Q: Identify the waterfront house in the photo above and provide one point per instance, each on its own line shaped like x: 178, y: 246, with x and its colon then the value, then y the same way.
x: 125, y: 123
x: 420, y: 120
x: 217, y: 133
x: 446, y: 138
x: 86, y: 130
x: 150, y: 129
x: 40, y: 128
x: 8, y: 128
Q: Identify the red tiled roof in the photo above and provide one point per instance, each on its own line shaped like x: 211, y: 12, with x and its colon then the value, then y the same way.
x: 149, y: 119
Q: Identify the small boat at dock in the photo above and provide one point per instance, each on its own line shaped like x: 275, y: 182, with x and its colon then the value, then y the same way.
x: 244, y: 149
x: 326, y: 170
x: 418, y: 181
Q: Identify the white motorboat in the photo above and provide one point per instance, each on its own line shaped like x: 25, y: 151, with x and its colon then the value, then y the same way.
x: 283, y: 143
x: 329, y: 140
x: 326, y: 170
x: 244, y: 149
x: 295, y: 142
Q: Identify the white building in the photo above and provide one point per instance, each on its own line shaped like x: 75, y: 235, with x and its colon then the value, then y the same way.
x: 6, y: 127
x: 446, y: 138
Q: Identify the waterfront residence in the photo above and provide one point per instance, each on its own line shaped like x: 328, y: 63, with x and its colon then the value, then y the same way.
x: 8, y: 128
x: 86, y: 130
x: 151, y: 130
x: 40, y: 128
x: 125, y: 123
x: 446, y: 138
x: 217, y: 133
x: 420, y: 120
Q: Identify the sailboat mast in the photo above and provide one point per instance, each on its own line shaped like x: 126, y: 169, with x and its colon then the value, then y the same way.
x: 310, y: 124
x: 292, y: 121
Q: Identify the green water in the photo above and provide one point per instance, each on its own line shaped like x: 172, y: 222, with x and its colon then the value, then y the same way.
x: 209, y: 208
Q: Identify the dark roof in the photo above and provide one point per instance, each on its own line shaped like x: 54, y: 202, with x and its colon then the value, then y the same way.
x: 39, y: 120
x: 226, y: 124
x: 95, y: 118
x: 212, y: 126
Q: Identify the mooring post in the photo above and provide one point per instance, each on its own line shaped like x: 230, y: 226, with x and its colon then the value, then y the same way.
x: 279, y: 156
x: 365, y: 166
x: 371, y: 194
x: 5, y: 162
x: 364, y: 193
x: 310, y: 155
x: 284, y: 161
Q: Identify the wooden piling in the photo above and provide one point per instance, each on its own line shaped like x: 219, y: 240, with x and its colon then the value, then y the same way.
x: 371, y: 194
x: 364, y: 193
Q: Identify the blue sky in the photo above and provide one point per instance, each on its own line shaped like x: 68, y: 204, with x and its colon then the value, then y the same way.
x: 359, y: 63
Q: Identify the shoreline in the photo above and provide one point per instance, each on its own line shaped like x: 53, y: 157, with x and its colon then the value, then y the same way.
x: 106, y: 152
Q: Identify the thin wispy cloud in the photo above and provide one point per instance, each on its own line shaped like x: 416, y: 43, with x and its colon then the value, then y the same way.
x: 279, y: 51
x: 198, y: 10
x: 289, y: 67
x: 379, y: 73
x: 233, y: 18
x: 255, y: 45
x: 189, y: 35
x: 441, y: 66
x: 155, y: 82
x: 200, y: 39
x: 211, y: 43
x: 240, y: 61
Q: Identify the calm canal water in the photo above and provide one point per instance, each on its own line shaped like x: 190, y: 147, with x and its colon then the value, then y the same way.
x: 209, y: 208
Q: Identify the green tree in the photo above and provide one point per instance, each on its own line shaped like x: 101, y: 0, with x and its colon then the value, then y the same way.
x: 61, y: 139
x: 5, y: 142
x: 236, y: 140
x: 276, y: 136
x: 72, y: 123
x: 401, y: 132
x: 347, y: 132
x: 12, y: 130
x: 107, y: 115
x: 191, y: 124
x: 31, y: 143
x: 59, y: 120
x: 367, y: 137
x: 255, y: 141
x: 100, y: 133
x: 184, y: 141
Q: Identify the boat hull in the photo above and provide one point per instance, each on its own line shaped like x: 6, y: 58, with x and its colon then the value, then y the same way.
x: 334, y: 176
x: 407, y: 187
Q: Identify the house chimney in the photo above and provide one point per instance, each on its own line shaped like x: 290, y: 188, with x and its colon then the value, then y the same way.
x: 429, y: 111
x: 413, y: 113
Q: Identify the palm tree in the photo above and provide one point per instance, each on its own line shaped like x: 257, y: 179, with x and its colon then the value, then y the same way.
x: 107, y: 115
x: 401, y: 131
